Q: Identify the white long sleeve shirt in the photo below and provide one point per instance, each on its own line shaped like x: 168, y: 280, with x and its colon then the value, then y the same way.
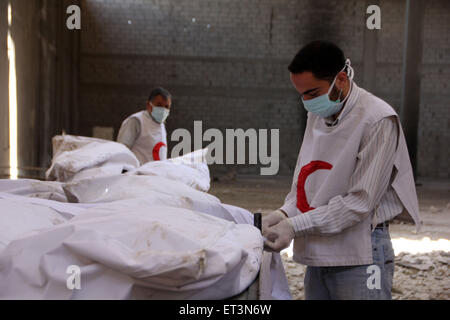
x: 369, y: 188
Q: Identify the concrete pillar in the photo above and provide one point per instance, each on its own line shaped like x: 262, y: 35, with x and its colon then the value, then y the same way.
x: 25, y: 34
x: 59, y: 76
x: 46, y: 61
x: 46, y: 86
x: 412, y: 63
x: 4, y: 92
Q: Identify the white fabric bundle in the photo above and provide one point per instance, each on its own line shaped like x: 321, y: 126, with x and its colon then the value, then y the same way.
x: 129, y: 251
x: 190, y: 169
x: 80, y: 158
x: 77, y: 157
x: 112, y: 188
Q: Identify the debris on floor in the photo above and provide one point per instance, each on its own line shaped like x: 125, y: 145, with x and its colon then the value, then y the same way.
x: 424, y: 276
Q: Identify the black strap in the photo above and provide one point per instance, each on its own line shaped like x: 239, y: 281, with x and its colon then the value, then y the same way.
x: 382, y: 225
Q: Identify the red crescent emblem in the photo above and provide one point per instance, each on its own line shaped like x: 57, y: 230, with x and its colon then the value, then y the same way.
x: 158, y: 146
x: 302, y: 202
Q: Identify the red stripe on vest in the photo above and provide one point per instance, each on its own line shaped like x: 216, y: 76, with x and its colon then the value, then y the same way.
x: 158, y: 146
x: 302, y: 202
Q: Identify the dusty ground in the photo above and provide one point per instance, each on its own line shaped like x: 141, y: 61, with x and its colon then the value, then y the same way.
x: 419, y: 274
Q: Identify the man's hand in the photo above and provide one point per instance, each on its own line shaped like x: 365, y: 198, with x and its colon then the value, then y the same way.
x: 279, y: 236
x: 272, y: 219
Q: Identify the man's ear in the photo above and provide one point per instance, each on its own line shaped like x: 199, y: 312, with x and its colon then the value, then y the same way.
x: 341, y: 79
x: 149, y: 107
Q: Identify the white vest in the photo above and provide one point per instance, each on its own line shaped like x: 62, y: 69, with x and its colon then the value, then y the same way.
x: 338, y: 146
x: 151, y: 145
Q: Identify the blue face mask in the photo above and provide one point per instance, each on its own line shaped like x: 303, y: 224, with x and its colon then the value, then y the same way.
x: 322, y: 105
x: 160, y: 114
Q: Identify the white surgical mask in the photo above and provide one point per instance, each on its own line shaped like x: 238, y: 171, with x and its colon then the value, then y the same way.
x: 160, y: 114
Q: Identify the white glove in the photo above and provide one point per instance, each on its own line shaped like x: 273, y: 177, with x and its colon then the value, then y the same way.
x: 279, y: 236
x: 272, y: 219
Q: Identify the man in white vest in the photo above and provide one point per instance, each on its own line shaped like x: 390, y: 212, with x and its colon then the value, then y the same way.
x: 144, y: 132
x: 353, y: 176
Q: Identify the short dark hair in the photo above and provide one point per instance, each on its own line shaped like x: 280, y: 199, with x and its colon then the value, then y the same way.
x: 323, y: 58
x: 159, y: 92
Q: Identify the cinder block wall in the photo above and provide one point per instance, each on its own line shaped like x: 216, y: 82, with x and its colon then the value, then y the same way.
x: 226, y: 64
x: 434, y: 126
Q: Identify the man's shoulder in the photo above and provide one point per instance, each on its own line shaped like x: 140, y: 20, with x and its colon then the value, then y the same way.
x: 133, y: 118
x: 137, y: 115
x: 375, y: 108
x: 133, y: 122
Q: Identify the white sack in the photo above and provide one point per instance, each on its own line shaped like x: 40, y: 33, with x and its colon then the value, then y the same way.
x: 73, y: 154
x: 190, y: 169
x: 273, y: 283
x: 133, y: 251
x: 18, y: 219
x: 272, y: 278
x: 112, y: 188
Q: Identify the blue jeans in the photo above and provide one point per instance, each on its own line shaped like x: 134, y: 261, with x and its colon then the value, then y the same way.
x: 365, y: 282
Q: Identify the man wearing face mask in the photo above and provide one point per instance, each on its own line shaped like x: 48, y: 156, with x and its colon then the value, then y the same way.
x: 353, y: 176
x: 144, y: 132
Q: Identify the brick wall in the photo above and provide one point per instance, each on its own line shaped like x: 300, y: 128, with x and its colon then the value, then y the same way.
x: 434, y: 126
x: 226, y: 64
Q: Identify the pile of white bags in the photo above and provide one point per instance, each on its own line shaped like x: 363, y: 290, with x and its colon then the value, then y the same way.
x: 152, y: 233
x: 80, y: 158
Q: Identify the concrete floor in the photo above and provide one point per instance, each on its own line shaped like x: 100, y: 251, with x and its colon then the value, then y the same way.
x: 420, y: 282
